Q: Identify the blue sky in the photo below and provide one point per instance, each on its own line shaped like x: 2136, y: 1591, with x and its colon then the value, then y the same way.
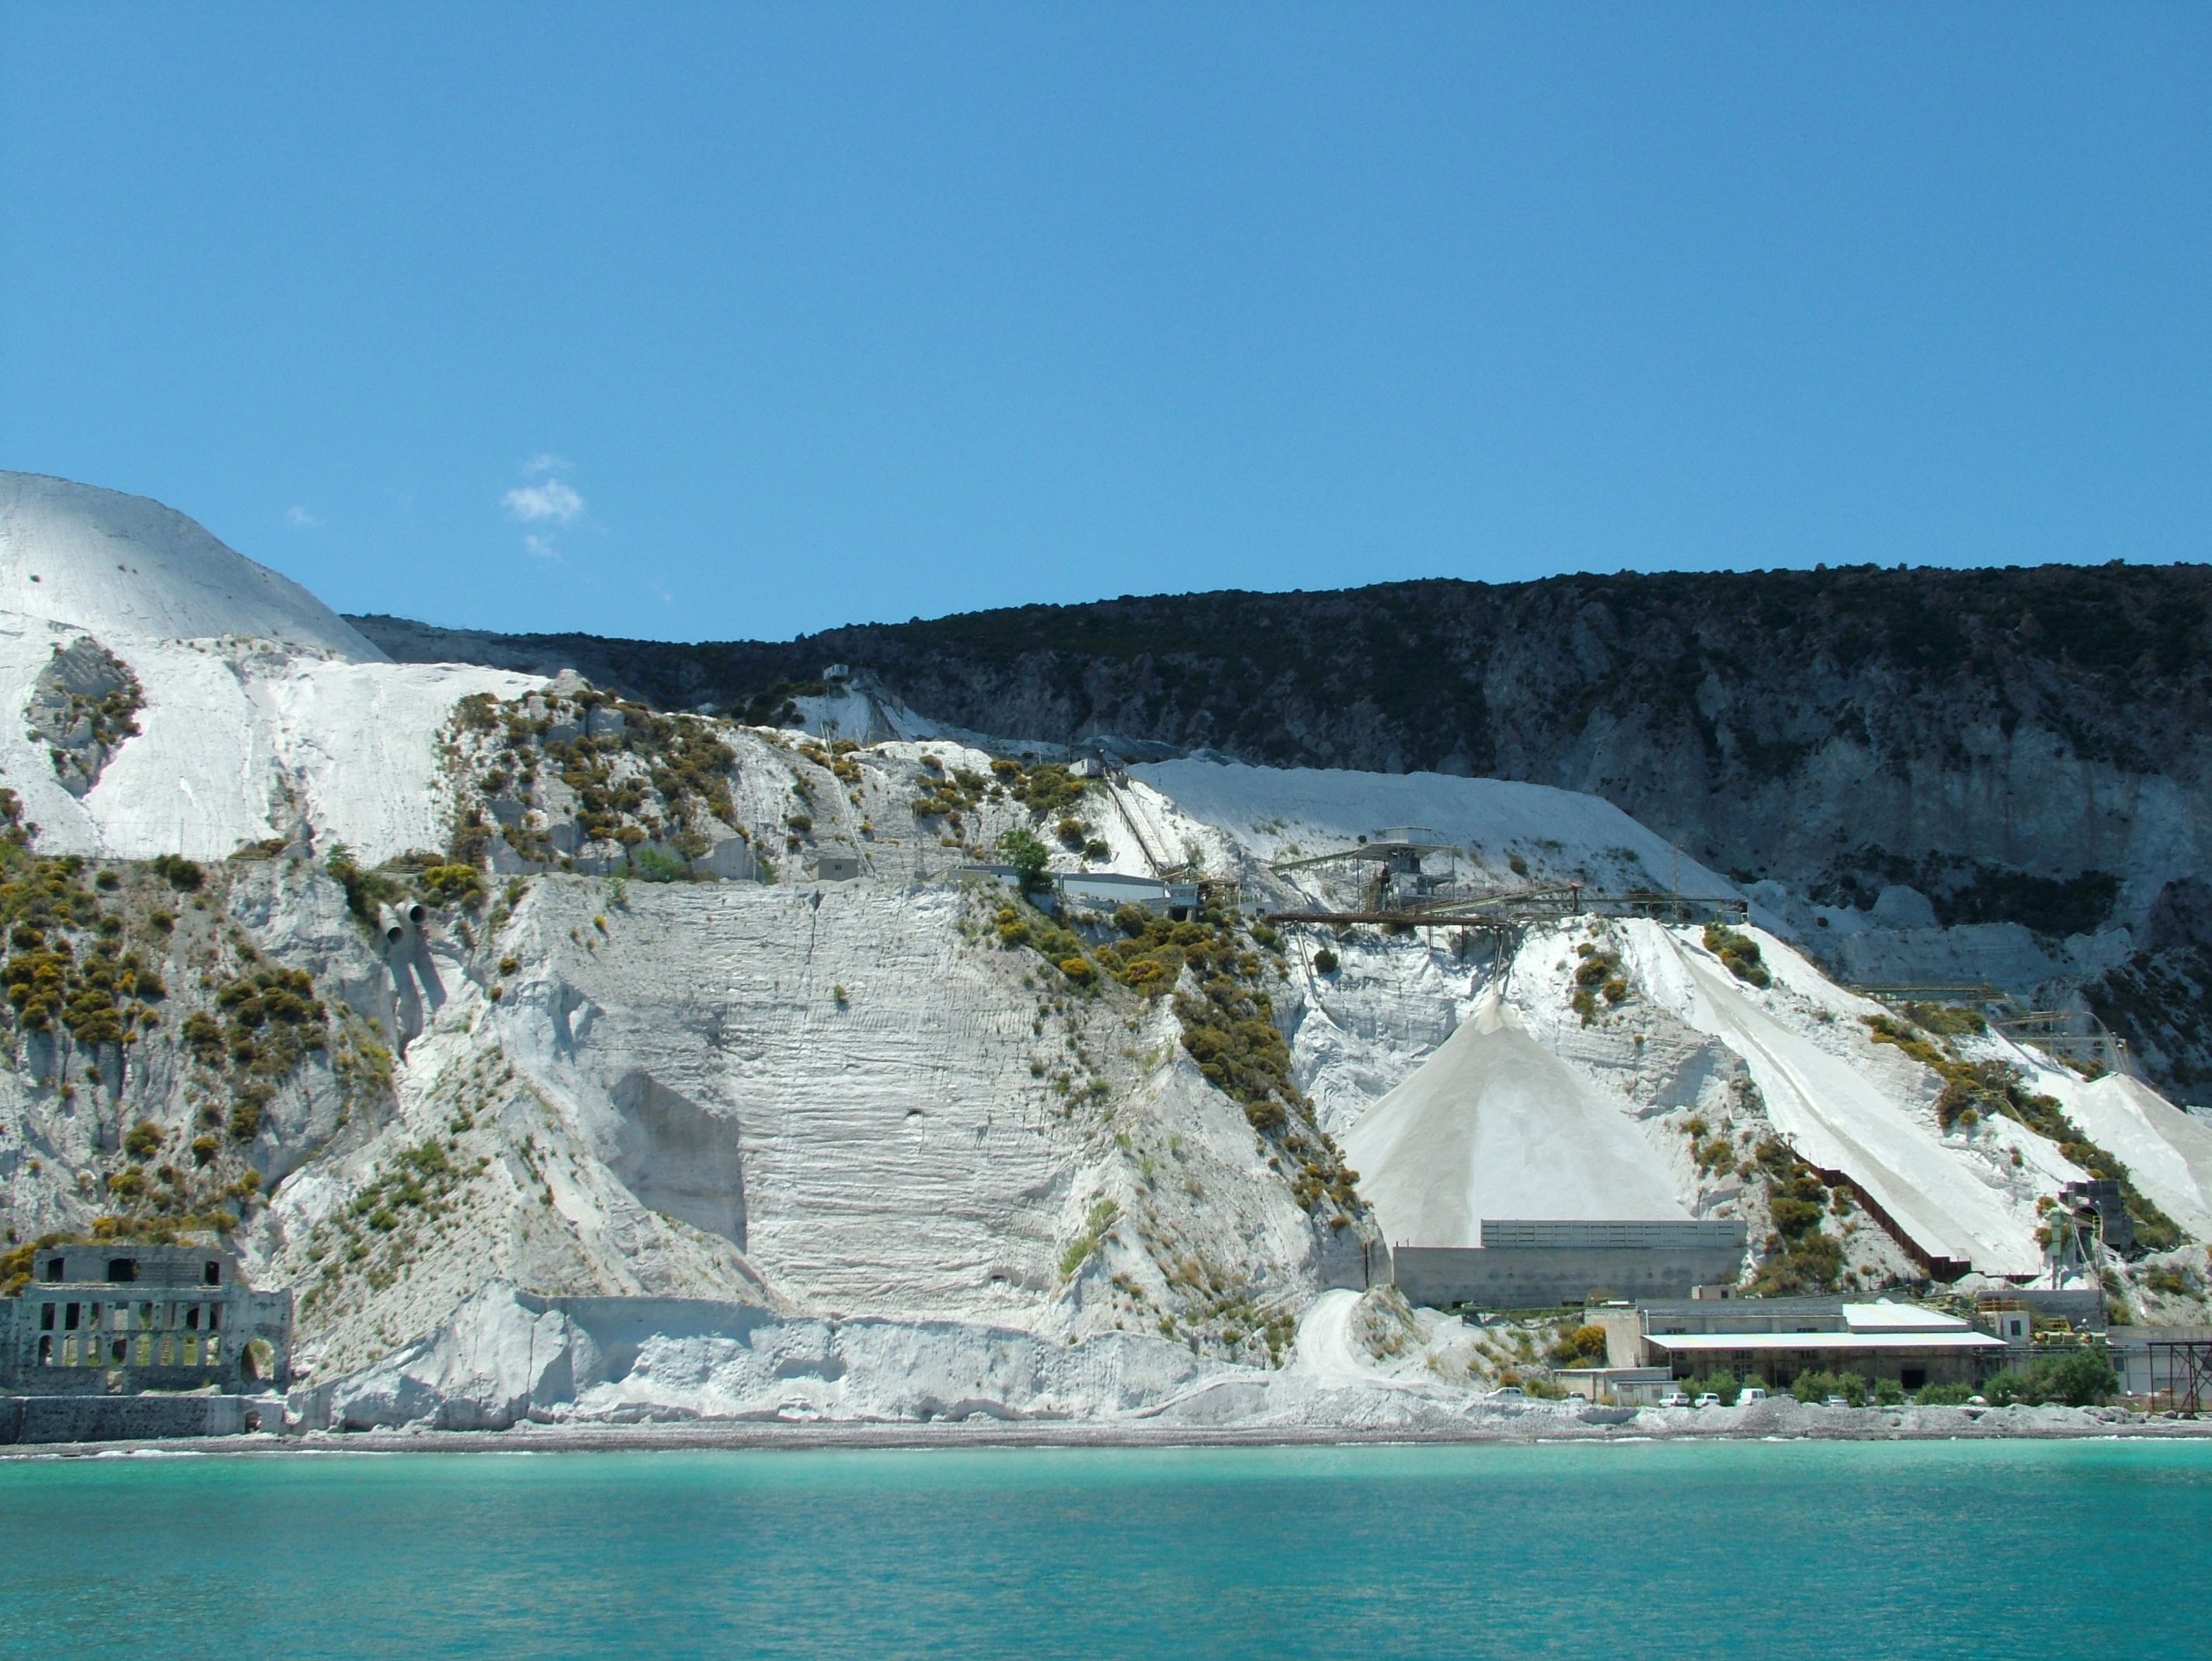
x: 716, y: 321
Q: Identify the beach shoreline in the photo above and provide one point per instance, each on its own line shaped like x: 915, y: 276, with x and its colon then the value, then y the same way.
x: 1526, y: 1429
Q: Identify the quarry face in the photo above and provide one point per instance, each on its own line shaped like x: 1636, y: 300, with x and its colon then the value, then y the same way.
x: 575, y: 1059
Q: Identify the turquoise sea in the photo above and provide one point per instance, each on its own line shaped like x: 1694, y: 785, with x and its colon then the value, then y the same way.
x: 1796, y: 1549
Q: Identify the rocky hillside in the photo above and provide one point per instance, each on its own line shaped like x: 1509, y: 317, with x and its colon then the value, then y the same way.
x: 2026, y: 747
x: 1805, y: 725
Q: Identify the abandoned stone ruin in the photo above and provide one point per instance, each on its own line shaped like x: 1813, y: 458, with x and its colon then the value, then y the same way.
x: 125, y: 1340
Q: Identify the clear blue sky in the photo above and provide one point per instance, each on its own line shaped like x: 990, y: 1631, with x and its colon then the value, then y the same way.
x: 719, y: 321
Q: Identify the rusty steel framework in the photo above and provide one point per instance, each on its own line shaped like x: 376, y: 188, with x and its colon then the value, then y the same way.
x: 2187, y: 1371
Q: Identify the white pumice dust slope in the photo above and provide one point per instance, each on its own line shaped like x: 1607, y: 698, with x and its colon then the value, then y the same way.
x: 847, y: 1158
x: 263, y: 709
x: 1494, y: 1124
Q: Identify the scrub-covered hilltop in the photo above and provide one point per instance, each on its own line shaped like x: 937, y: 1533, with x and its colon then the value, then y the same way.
x: 572, y: 1056
x: 1960, y: 775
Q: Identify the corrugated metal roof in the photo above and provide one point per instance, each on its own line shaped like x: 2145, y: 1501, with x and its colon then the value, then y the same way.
x: 1885, y: 1316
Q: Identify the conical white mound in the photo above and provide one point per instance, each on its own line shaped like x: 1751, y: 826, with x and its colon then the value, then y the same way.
x: 124, y: 568
x: 1495, y: 1125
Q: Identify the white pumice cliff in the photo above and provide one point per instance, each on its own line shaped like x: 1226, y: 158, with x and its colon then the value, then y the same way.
x: 715, y: 1079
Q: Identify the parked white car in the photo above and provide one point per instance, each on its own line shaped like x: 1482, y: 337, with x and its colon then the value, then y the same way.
x: 1673, y: 1398
x: 1708, y: 1400
x: 1749, y: 1394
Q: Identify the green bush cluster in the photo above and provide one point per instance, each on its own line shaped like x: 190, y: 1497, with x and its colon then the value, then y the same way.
x: 949, y: 796
x: 1579, y: 1346
x: 1047, y: 789
x: 1024, y: 925
x: 1599, y: 973
x: 657, y: 865
x: 2078, y: 1377
x: 68, y: 964
x: 271, y: 1020
x: 1151, y: 956
x: 1798, y: 1256
x: 1948, y: 1020
x: 1100, y: 1218
x: 687, y: 768
x: 182, y: 875
x: 1740, y: 952
x: 365, y: 890
x: 775, y: 705
x: 1022, y: 849
x: 1713, y: 1155
x: 460, y: 885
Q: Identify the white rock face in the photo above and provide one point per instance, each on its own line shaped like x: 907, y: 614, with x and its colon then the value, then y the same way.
x: 122, y: 567
x: 823, y: 1148
x: 263, y: 712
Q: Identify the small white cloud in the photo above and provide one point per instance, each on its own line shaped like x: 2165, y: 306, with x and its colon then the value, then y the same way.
x: 539, y: 546
x: 545, y: 462
x: 550, y: 499
x: 300, y: 519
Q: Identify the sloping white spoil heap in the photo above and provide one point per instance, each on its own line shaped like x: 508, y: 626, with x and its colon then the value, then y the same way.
x: 263, y: 708
x: 1496, y: 1125
x: 1834, y: 1107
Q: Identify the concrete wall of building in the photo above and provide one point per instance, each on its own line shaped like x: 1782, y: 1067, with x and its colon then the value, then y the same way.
x: 29, y: 1419
x: 1511, y: 1278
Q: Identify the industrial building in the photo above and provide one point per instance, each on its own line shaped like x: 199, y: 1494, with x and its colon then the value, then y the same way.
x: 118, y: 1319
x: 1109, y: 891
x: 1776, y: 1339
x: 1534, y: 1265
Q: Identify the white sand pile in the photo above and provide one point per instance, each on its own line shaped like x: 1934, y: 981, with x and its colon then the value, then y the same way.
x: 1496, y: 1125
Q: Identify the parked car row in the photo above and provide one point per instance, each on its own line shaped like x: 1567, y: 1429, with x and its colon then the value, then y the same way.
x: 1750, y: 1393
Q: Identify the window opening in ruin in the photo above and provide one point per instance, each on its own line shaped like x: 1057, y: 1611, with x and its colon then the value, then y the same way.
x: 118, y: 1350
x: 121, y: 1271
x: 71, y: 1313
x: 191, y: 1349
x: 53, y: 1270
x: 214, y: 1355
x: 145, y: 1317
x: 214, y: 1317
x: 45, y: 1318
x: 212, y: 1273
x: 193, y: 1318
x: 169, y: 1351
x: 257, y: 1360
x: 145, y: 1352
x: 45, y: 1352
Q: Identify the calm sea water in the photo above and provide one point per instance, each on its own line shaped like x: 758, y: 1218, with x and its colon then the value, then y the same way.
x: 1738, y: 1549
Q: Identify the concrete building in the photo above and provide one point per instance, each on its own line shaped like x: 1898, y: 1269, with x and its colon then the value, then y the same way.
x: 1109, y: 891
x: 114, y: 1319
x: 828, y: 867
x: 1627, y: 1387
x: 1776, y: 1339
x: 1537, y: 1264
